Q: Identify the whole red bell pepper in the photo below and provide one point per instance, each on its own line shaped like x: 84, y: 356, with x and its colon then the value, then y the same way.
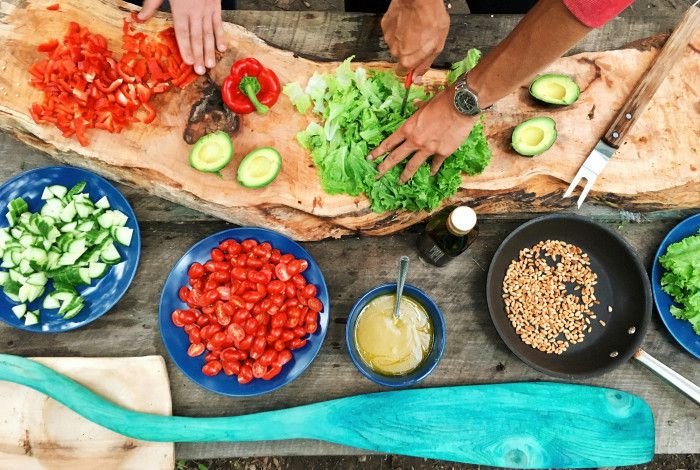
x: 250, y: 87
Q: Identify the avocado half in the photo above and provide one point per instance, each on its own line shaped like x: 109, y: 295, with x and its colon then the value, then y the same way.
x: 212, y: 152
x: 534, y: 136
x: 555, y: 89
x: 259, y: 168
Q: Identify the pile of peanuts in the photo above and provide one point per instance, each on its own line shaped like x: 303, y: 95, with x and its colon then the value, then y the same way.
x: 544, y: 314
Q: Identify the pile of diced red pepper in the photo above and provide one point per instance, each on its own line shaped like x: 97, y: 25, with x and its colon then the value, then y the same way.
x: 86, y: 87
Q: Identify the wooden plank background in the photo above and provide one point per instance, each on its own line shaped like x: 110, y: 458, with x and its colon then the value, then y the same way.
x: 474, y: 353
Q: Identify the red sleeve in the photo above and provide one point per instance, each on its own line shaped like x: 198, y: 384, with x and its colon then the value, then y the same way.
x: 595, y: 13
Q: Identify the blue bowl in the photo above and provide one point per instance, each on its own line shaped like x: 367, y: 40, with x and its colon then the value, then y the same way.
x: 176, y: 340
x: 428, y: 364
x: 681, y: 330
x: 100, y: 296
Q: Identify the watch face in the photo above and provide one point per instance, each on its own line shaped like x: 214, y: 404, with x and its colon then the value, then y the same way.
x: 466, y: 102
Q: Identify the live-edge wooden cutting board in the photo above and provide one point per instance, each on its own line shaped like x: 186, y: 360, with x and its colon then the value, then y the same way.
x: 38, y: 433
x: 658, y: 168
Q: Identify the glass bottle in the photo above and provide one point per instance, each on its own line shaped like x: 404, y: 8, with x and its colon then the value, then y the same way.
x: 447, y: 235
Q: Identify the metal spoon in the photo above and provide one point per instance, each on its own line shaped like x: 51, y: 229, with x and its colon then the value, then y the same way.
x: 403, y: 271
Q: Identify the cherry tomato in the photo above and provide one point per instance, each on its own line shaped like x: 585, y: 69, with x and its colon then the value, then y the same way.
x: 283, y: 357
x: 287, y: 335
x: 309, y: 291
x: 221, y: 276
x: 175, y: 318
x: 286, y: 259
x: 210, y: 297
x: 297, y: 343
x: 196, y: 271
x: 279, y: 320
x: 311, y: 328
x: 248, y: 245
x: 259, y: 370
x: 299, y: 281
x: 253, y: 296
x: 239, y: 273
x: 203, y: 320
x: 311, y: 317
x: 209, y: 266
x: 299, y: 332
x: 246, y: 343
x: 211, y: 357
x: 290, y: 291
x: 231, y: 368
x: 224, y: 292
x: 282, y: 272
x: 254, y: 263
x: 194, y: 336
x: 315, y: 304
x: 184, y: 294
x: 217, y: 255
x: 195, y: 349
x: 212, y: 368
x: 187, y: 317
x: 209, y: 331
x: 245, y: 375
x: 268, y: 357
x: 236, y: 331
x: 271, y: 373
x: 275, y: 256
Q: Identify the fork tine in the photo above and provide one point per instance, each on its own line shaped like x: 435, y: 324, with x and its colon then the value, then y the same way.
x: 586, y: 189
x: 573, y: 185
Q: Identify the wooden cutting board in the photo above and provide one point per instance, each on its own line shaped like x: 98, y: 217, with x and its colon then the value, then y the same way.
x: 37, y: 432
x: 658, y: 168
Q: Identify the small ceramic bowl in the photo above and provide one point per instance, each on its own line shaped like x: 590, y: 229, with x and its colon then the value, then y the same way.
x: 430, y: 362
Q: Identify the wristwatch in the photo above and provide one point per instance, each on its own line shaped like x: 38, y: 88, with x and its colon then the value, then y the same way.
x: 466, y: 100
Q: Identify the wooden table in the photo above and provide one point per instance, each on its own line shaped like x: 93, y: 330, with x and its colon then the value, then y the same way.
x: 474, y: 354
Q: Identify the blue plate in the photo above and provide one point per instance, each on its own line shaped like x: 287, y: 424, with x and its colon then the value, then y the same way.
x: 99, y: 296
x: 679, y: 329
x: 177, y: 342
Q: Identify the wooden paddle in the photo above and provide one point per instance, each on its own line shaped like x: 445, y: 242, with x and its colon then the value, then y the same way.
x: 519, y: 425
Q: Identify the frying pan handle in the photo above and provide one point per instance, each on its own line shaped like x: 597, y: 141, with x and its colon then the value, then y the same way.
x: 673, y: 377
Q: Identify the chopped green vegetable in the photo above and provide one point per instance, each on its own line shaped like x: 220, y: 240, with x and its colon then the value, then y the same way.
x: 297, y: 96
x: 358, y: 110
x: 62, y: 242
x: 463, y: 66
x: 682, y: 279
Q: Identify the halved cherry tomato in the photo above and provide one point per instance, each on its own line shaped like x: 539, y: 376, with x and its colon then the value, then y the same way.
x: 196, y: 271
x: 195, y: 349
x: 212, y: 368
x: 282, y: 272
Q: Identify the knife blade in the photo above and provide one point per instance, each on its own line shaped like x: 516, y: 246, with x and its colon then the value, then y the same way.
x: 407, y: 85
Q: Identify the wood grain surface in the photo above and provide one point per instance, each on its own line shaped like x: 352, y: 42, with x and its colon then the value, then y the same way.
x: 664, y: 140
x: 39, y: 433
x: 474, y: 353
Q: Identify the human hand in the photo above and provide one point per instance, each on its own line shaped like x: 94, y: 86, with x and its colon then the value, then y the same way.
x: 198, y: 29
x: 436, y: 129
x: 415, y: 31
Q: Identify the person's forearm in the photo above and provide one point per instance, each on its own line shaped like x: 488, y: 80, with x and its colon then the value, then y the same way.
x: 543, y: 35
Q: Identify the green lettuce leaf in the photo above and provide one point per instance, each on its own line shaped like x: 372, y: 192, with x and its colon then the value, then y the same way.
x: 357, y: 110
x: 681, y: 279
x: 464, y: 65
x: 299, y: 99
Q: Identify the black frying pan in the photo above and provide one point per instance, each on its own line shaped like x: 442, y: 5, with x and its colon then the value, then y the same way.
x: 622, y: 284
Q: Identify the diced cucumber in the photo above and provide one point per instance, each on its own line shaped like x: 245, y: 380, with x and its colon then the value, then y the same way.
x: 86, y: 226
x: 52, y: 262
x: 84, y: 210
x: 38, y: 255
x: 53, y: 234
x: 16, y: 257
x: 52, y: 208
x: 74, y: 308
x: 24, y: 218
x: 4, y: 276
x: 77, y: 246
x: 31, y: 318
x: 119, y: 218
x: 69, y: 212
x: 123, y: 235
x: 12, y: 297
x: 19, y: 310
x: 78, y: 188
x: 69, y: 304
x: 7, y: 260
x: 46, y: 194
x: 25, y: 266
x: 50, y: 302
x: 58, y: 190
x: 27, y: 240
x: 29, y: 292
x: 18, y: 206
x: 102, y: 203
x: 16, y: 232
x: 105, y: 220
x: 110, y: 255
x: 11, y: 219
x: 70, y: 227
x: 17, y: 276
x: 97, y: 270
x: 37, y: 279
x: 63, y: 297
x: 68, y: 259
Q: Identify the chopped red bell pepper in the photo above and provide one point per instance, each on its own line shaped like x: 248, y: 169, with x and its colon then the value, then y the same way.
x: 53, y: 7
x: 85, y: 87
x: 250, y: 87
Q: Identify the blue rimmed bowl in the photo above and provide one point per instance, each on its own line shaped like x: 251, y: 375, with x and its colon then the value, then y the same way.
x: 176, y: 340
x: 103, y: 293
x: 428, y: 364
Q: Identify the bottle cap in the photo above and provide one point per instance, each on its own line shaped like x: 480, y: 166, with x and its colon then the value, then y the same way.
x: 462, y: 220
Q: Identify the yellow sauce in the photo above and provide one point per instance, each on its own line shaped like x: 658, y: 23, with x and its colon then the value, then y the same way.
x: 392, y: 346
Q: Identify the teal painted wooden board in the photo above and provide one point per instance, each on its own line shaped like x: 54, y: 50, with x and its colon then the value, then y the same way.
x: 519, y: 425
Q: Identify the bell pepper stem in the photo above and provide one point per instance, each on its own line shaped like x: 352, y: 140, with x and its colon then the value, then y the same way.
x: 250, y: 86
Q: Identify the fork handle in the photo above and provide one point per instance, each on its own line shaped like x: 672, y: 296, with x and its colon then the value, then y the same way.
x: 652, y: 79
